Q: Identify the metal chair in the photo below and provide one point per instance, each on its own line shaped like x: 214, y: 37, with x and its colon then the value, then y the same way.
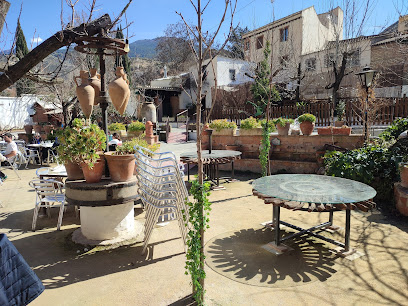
x: 32, y: 155
x: 162, y: 190
x: 13, y: 165
x: 49, y: 193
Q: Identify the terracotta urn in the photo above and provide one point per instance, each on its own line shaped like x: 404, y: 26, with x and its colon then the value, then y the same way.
x: 283, y: 130
x: 28, y: 129
x: 404, y: 176
x: 307, y: 127
x: 85, y: 93
x: 94, y: 175
x: 121, y: 167
x: 95, y: 82
x: 149, y: 111
x: 119, y: 91
x: 74, y: 171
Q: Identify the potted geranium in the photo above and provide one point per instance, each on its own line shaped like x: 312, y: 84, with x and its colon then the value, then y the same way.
x: 119, y: 128
x: 121, y: 163
x: 283, y: 125
x: 135, y: 129
x: 250, y: 127
x: 307, y: 123
x: 341, y: 111
x: 223, y: 127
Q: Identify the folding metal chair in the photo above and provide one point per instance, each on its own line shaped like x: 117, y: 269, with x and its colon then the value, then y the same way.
x: 14, y: 164
x: 49, y: 193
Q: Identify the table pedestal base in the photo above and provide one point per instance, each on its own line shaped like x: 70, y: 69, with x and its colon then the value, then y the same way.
x: 276, y: 249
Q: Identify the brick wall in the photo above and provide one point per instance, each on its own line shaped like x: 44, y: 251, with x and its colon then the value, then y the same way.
x: 295, y: 154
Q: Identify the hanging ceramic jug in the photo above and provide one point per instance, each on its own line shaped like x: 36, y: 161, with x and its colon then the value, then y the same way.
x: 95, y: 82
x: 119, y: 91
x: 85, y: 93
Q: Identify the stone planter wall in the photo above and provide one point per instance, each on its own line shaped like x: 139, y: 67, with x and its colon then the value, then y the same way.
x: 295, y: 154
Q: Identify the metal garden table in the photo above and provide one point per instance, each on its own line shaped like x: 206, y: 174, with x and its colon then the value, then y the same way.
x: 211, y: 162
x: 313, y: 193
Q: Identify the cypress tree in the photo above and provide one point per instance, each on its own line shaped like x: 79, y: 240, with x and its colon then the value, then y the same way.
x: 23, y: 86
x: 123, y: 60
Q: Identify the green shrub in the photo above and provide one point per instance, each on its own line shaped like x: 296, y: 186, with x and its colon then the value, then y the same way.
x: 341, y: 110
x: 307, y: 118
x: 116, y: 126
x: 250, y: 123
x: 271, y: 125
x: 374, y: 164
x: 221, y: 124
x: 282, y: 121
x: 395, y: 129
x: 136, y: 126
x: 128, y: 147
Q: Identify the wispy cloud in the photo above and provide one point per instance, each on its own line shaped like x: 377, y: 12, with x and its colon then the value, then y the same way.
x: 36, y: 40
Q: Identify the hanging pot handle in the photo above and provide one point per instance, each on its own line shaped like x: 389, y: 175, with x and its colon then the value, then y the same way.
x: 75, y: 79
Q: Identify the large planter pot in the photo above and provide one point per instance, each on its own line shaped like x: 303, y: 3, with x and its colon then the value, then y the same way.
x: 95, y: 82
x: 283, y: 130
x: 338, y: 123
x: 74, y: 171
x: 134, y: 134
x: 307, y: 127
x: 85, y: 93
x: 28, y: 129
x: 121, y: 167
x: 94, y: 175
x: 192, y: 135
x: 342, y: 131
x: 37, y: 128
x: 325, y: 130
x: 119, y: 90
x: 250, y: 132
x: 224, y: 132
x: 404, y: 176
x: 149, y: 112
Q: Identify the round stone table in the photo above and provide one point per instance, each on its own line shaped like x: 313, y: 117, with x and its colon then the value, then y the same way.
x: 107, y: 214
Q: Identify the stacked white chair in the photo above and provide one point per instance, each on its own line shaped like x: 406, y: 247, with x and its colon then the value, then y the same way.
x: 162, y: 190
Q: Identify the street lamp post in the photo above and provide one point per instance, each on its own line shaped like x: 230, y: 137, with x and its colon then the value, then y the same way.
x: 366, y: 77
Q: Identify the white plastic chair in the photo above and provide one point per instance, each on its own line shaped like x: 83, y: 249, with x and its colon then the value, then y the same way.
x: 49, y: 193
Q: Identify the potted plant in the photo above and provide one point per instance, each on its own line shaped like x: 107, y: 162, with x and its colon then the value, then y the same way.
x: 330, y: 130
x: 403, y: 168
x: 341, y: 110
x: 307, y: 123
x: 250, y: 127
x: 135, y: 129
x: 68, y: 149
x: 121, y: 163
x: 118, y: 127
x: 223, y: 127
x: 91, y: 143
x: 28, y: 128
x: 283, y: 125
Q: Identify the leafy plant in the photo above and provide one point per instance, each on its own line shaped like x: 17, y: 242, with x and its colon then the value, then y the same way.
x: 128, y: 147
x: 116, y: 126
x: 395, y: 129
x: 307, y: 118
x: 221, y: 124
x: 68, y: 137
x: 271, y: 124
x: 283, y: 121
x: 250, y: 123
x: 265, y: 147
x: 199, y: 210
x: 136, y: 126
x: 341, y: 110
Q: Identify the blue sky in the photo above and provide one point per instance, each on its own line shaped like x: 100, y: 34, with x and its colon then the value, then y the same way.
x: 41, y: 18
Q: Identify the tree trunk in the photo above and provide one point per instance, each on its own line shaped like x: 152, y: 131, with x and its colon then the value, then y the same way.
x: 50, y: 45
x: 4, y: 7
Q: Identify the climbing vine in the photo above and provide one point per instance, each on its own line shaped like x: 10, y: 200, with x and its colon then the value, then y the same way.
x: 198, y: 219
x: 265, y: 146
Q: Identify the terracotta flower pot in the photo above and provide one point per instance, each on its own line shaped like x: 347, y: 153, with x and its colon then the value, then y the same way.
x: 95, y: 82
x: 119, y: 90
x: 342, y: 131
x: 250, y: 132
x: 325, y: 130
x: 94, y: 175
x: 404, y: 176
x: 307, y: 127
x: 74, y: 171
x: 283, y: 131
x: 121, y: 167
x: 338, y: 123
x: 28, y: 129
x: 37, y: 128
x: 85, y: 93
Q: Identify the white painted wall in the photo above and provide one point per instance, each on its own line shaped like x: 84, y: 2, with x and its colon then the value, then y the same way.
x: 15, y: 111
x: 241, y: 67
